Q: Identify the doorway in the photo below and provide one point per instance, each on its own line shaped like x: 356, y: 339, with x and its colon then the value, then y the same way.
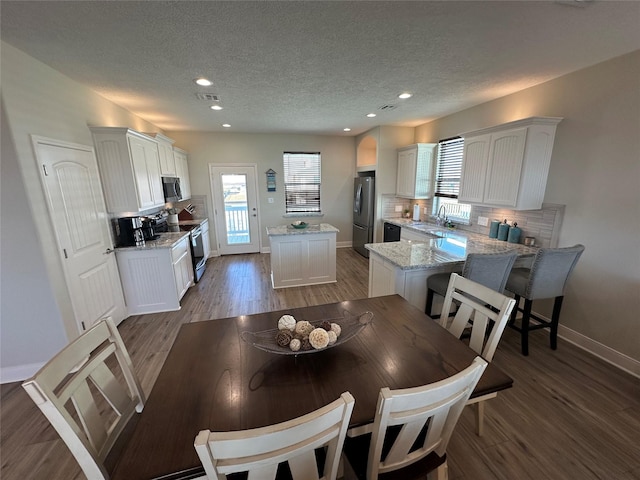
x: 71, y: 183
x: 235, y: 206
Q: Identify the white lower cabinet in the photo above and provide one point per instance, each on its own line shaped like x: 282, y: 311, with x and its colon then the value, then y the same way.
x: 206, y: 241
x: 155, y: 279
x: 303, y: 259
x: 385, y: 278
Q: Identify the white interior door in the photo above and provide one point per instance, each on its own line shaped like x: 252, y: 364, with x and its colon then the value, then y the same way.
x: 235, y: 203
x: 76, y: 205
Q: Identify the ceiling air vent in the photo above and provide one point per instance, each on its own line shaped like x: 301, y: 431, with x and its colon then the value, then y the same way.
x: 386, y: 108
x: 209, y: 97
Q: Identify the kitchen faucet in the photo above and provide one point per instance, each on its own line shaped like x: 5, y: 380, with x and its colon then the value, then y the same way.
x: 440, y: 220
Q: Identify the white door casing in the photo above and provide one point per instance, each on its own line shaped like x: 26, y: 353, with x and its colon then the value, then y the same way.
x: 71, y: 183
x: 249, y: 243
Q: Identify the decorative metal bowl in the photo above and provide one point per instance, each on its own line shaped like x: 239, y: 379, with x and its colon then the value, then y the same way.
x: 350, y: 324
x: 299, y: 225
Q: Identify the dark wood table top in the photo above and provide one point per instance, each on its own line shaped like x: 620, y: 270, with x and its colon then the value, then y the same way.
x: 213, y: 379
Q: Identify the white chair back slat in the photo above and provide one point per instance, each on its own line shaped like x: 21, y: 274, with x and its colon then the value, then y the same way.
x: 435, y: 407
x: 491, y: 309
x: 78, y: 378
x: 259, y: 451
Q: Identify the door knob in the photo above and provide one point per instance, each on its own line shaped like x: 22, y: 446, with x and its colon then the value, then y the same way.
x: 108, y: 251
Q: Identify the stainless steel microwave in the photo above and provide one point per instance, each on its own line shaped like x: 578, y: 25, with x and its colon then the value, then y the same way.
x: 171, y: 187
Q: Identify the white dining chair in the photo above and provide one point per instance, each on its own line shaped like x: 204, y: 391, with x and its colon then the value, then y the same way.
x: 89, y: 392
x: 485, y: 313
x: 412, y: 428
x: 260, y: 451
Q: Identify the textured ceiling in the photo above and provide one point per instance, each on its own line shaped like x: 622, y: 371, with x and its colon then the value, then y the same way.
x: 311, y: 66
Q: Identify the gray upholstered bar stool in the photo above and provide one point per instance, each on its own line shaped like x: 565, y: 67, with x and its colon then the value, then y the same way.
x: 546, y: 278
x: 488, y: 269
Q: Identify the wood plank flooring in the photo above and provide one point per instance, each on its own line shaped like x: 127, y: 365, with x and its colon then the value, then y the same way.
x: 569, y: 415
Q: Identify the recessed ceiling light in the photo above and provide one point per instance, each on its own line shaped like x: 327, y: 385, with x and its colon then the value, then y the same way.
x: 405, y: 95
x: 226, y: 125
x: 347, y: 129
x: 371, y: 115
x: 216, y: 107
x: 203, y: 82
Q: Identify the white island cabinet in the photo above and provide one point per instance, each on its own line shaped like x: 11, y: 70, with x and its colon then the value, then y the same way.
x: 156, y: 276
x: 302, y: 256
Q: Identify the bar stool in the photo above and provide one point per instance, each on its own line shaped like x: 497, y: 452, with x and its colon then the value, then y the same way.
x: 488, y: 269
x: 546, y: 278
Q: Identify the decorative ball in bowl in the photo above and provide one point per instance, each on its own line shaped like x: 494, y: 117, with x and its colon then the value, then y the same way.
x: 299, y: 224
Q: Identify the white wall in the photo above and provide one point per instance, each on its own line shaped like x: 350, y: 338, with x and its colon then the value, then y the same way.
x: 37, y: 100
x: 595, y: 172
x: 265, y: 150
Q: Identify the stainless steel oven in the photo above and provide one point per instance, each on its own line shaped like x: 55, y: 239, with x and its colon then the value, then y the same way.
x: 197, y: 250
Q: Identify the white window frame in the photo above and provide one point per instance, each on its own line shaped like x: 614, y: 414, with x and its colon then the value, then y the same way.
x: 447, y: 183
x: 302, y: 183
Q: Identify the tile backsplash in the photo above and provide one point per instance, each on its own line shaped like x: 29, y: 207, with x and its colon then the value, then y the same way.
x: 544, y: 224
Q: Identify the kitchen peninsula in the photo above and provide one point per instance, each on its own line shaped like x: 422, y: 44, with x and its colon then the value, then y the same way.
x: 403, y: 267
x: 302, y: 256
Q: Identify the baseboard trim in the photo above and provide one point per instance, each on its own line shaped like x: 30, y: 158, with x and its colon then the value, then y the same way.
x: 608, y: 354
x: 19, y: 373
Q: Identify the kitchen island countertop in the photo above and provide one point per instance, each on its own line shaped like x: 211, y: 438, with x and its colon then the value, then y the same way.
x: 310, y: 229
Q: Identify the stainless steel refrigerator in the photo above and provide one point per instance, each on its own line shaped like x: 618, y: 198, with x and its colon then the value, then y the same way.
x: 363, y: 205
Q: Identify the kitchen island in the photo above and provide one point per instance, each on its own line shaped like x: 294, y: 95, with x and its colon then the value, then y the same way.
x: 403, y: 267
x: 302, y: 256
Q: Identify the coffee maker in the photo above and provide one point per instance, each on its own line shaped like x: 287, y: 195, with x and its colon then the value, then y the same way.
x: 129, y: 232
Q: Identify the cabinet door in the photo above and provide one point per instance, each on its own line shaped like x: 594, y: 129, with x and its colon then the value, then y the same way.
x: 474, y: 169
x: 504, y: 167
x: 143, y: 176
x: 167, y: 162
x: 206, y: 243
x: 405, y: 182
x: 182, y: 172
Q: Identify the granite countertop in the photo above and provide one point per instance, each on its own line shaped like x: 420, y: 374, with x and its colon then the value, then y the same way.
x: 310, y: 229
x: 195, y: 221
x: 165, y: 240
x: 441, y: 246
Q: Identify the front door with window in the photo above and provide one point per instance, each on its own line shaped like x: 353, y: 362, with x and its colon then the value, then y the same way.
x: 235, y: 203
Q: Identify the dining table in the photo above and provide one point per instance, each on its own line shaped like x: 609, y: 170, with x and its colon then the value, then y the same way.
x: 214, y: 379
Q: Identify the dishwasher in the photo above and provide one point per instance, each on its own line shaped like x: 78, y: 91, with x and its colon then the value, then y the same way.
x: 391, y: 232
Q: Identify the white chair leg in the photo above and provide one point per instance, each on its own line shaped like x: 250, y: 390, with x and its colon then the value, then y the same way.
x: 440, y: 473
x: 479, y: 411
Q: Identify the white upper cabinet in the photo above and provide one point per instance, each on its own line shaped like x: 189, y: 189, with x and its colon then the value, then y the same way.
x: 165, y: 152
x: 182, y: 172
x: 507, y: 165
x: 129, y: 169
x: 415, y: 171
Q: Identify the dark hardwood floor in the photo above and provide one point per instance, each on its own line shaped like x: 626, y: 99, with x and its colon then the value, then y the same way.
x: 568, y: 416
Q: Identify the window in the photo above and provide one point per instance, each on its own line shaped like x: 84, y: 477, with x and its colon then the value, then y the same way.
x: 448, y: 171
x: 302, y: 182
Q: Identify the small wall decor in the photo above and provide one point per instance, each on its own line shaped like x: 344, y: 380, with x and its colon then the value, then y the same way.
x: 271, y: 180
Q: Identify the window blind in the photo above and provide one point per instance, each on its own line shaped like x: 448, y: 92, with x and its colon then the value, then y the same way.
x: 302, y: 182
x: 449, y: 167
